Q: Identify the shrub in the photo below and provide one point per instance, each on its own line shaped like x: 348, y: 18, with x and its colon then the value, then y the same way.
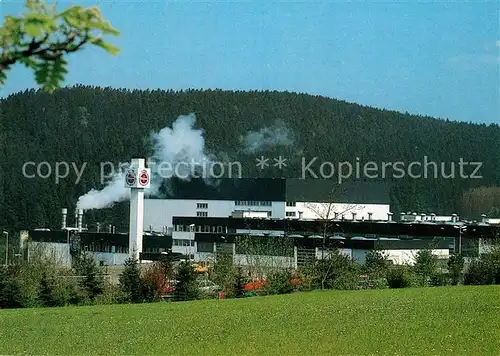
x: 478, y: 272
x: 10, y: 289
x: 154, y: 280
x: 280, y: 282
x: 401, y: 277
x: 376, y: 264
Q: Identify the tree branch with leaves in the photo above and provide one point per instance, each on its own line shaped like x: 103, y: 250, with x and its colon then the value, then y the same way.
x: 42, y: 37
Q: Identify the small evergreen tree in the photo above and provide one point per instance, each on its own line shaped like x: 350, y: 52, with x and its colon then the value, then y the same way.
x: 376, y: 264
x: 187, y: 286
x: 130, y: 281
x: 456, y: 266
x: 92, y: 282
x: 425, y: 265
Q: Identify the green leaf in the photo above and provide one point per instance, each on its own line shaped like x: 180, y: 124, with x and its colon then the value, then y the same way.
x: 108, y: 47
x: 33, y: 30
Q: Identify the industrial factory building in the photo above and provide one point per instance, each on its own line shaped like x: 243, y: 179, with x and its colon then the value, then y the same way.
x: 267, y: 198
x: 283, y: 242
x: 287, y: 222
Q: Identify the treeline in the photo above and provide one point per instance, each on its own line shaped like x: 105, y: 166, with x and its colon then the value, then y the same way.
x: 92, y: 125
x: 43, y: 282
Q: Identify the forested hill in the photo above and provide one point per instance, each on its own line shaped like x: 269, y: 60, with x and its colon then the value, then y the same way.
x: 93, y: 125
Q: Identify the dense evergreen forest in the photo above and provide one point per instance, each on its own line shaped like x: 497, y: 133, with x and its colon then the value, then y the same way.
x: 87, y: 124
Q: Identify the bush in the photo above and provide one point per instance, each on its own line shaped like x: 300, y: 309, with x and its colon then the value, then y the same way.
x: 478, y: 272
x: 154, y: 281
x: 279, y: 282
x: 10, y: 289
x: 440, y: 279
x: 401, y: 277
x: 455, y: 267
x: 376, y: 264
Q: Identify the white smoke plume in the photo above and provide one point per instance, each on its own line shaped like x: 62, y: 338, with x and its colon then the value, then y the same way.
x: 276, y: 135
x: 114, y: 192
x: 178, y: 151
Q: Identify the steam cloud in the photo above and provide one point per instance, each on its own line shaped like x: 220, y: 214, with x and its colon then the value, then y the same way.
x: 276, y: 135
x: 180, y: 144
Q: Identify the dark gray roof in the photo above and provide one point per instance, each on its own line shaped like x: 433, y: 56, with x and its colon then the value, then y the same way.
x: 327, y: 191
x: 279, y: 189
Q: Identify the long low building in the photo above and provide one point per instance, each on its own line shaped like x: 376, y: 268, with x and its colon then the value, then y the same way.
x: 288, y: 242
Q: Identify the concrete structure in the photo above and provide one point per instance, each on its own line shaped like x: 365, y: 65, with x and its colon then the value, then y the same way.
x: 137, y: 179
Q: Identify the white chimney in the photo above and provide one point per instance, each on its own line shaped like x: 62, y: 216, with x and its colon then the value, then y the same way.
x: 483, y: 219
x: 389, y: 216
x: 64, y: 218
x: 370, y: 216
x: 80, y: 220
x: 453, y: 218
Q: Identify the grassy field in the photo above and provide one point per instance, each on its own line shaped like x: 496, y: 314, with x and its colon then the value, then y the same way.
x: 433, y: 321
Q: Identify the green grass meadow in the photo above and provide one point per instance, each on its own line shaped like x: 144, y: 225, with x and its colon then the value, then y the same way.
x: 426, y: 321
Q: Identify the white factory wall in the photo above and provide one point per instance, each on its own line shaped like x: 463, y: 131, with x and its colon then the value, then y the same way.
x: 58, y: 252
x: 311, y: 210
x: 110, y: 259
x: 159, y: 212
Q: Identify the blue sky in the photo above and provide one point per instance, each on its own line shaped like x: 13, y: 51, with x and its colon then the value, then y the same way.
x: 431, y: 58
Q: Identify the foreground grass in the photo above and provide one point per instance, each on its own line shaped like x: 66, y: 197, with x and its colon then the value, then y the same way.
x: 447, y: 320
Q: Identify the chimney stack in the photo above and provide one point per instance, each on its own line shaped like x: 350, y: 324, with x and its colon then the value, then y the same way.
x: 64, y: 218
x: 80, y: 220
x: 483, y: 219
x: 389, y: 216
x: 453, y: 218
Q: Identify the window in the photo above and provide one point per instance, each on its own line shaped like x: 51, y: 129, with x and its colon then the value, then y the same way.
x: 202, y: 206
x: 291, y: 203
x: 202, y: 214
x: 290, y: 213
x: 219, y: 229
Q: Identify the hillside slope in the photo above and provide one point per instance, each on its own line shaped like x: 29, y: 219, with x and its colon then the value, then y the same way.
x: 93, y: 125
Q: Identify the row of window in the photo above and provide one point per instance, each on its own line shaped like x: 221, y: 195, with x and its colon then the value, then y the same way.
x: 291, y: 203
x: 198, y: 228
x: 182, y: 242
x: 202, y: 214
x: 202, y: 206
x: 253, y: 203
x: 290, y: 213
